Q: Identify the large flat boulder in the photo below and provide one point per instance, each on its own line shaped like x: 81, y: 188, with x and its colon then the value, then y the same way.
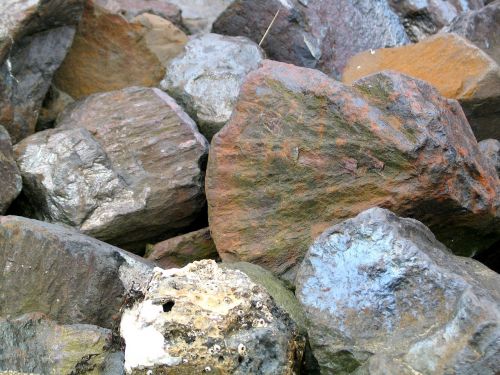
x: 111, y: 53
x: 315, y: 34
x: 302, y: 151
x: 69, y: 277
x: 206, y: 78
x: 383, y: 296
x: 206, y: 319
x: 9, y: 173
x: 35, y: 36
x: 455, y: 66
x: 124, y: 167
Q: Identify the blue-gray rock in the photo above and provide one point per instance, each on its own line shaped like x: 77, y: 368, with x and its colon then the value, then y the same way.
x: 383, y: 296
x: 491, y: 149
x: 206, y: 78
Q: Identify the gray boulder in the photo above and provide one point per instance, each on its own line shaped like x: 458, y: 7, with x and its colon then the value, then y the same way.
x: 314, y: 34
x: 34, y: 344
x: 423, y: 18
x: 69, y: 277
x: 10, y: 177
x: 481, y: 27
x: 34, y: 39
x: 124, y: 167
x: 384, y: 297
x: 206, y: 78
x: 491, y: 149
x: 206, y: 319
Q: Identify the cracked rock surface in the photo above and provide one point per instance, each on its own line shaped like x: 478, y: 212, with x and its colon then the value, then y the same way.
x: 383, y: 296
x: 124, y: 167
x: 205, y: 319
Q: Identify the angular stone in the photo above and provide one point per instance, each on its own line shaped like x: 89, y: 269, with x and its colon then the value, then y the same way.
x: 424, y: 18
x: 199, y: 15
x: 491, y: 149
x: 481, y: 27
x: 303, y: 151
x: 133, y: 8
x: 69, y: 277
x: 111, y: 53
x: 179, y: 251
x: 383, y: 296
x: 35, y: 36
x: 11, y: 182
x: 314, y: 34
x: 457, y: 68
x: 123, y: 166
x: 206, y: 78
x: 31, y: 343
x: 202, y: 318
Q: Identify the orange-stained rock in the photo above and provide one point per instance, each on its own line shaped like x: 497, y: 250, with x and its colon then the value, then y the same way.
x: 302, y: 152
x: 111, y: 53
x: 456, y: 67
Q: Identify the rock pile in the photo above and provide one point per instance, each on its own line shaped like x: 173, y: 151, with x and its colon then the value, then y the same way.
x: 294, y: 187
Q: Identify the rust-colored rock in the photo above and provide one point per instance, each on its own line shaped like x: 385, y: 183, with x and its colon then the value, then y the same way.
x: 456, y: 67
x: 111, y: 53
x: 179, y: 251
x: 302, y: 152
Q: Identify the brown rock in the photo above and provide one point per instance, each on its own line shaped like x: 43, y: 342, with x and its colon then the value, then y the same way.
x: 110, y: 53
x: 456, y: 67
x: 123, y: 166
x: 132, y: 8
x: 315, y: 34
x: 10, y: 177
x: 34, y: 38
x: 177, y: 252
x: 302, y: 152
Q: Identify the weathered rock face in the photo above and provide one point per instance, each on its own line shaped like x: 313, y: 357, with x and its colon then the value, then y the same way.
x: 133, y: 8
x: 54, y: 103
x: 456, y: 67
x: 10, y: 177
x: 206, y: 79
x: 123, y: 166
x: 202, y: 318
x: 179, y: 251
x: 424, y: 18
x: 31, y: 343
x: 111, y: 53
x: 314, y: 34
x: 69, y: 277
x: 383, y: 296
x: 303, y: 151
x: 491, y: 149
x: 481, y: 27
x: 34, y: 39
x: 198, y: 15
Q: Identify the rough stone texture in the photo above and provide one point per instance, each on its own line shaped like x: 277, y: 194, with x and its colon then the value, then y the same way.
x: 456, y: 67
x: 206, y: 78
x: 491, y: 149
x: 198, y: 15
x: 69, y: 277
x: 133, y: 8
x: 34, y: 38
x: 314, y: 34
x: 302, y: 152
x: 123, y: 166
x: 481, y: 27
x: 181, y: 250
x: 110, y: 53
x: 424, y: 18
x: 383, y: 296
x: 202, y: 318
x: 31, y: 343
x: 10, y: 178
